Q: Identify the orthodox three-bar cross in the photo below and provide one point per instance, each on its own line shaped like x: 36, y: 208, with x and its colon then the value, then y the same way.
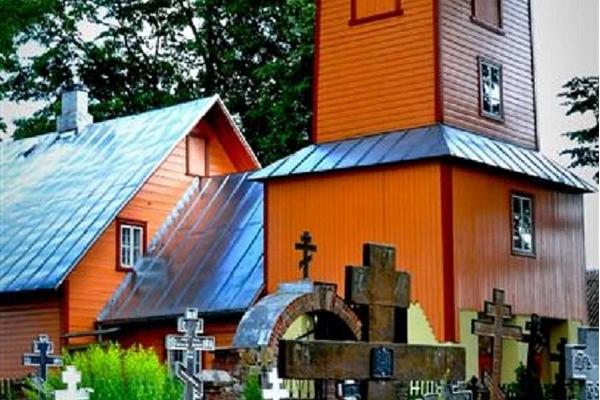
x: 42, y: 356
x: 190, y: 343
x: 307, y: 248
x: 492, y: 323
x: 71, y: 377
x: 381, y: 289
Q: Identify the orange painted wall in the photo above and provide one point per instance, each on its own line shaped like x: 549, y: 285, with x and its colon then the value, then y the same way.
x: 398, y: 205
x: 552, y: 284
x: 376, y: 76
x: 21, y: 321
x: 95, y: 278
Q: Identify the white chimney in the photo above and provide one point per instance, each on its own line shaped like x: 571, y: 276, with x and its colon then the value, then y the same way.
x: 74, y: 109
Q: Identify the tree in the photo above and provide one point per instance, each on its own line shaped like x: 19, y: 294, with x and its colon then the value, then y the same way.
x: 152, y: 53
x: 581, y: 96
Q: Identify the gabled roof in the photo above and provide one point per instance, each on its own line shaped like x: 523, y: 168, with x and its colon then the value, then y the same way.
x: 421, y: 143
x: 208, y: 255
x: 59, y: 192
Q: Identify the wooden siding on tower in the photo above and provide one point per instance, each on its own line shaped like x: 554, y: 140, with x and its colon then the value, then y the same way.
x: 462, y: 41
x: 552, y: 283
x: 374, y: 76
x: 22, y: 320
x: 399, y: 205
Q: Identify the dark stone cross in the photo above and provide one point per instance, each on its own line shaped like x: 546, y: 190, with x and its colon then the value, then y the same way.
x: 307, y: 248
x: 536, y: 341
x: 559, y: 391
x: 492, y: 323
x: 41, y: 356
x: 190, y: 343
x: 379, y: 288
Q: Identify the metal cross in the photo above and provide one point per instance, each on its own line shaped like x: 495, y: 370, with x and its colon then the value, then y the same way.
x: 560, y: 387
x: 42, y: 356
x: 276, y: 392
x: 535, y: 340
x: 492, y: 323
x: 71, y: 377
x: 307, y: 248
x: 190, y: 343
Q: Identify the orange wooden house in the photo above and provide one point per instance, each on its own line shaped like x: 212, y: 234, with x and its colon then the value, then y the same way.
x: 79, y: 207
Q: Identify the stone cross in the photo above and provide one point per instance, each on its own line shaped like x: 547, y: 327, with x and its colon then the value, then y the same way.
x: 307, y: 248
x: 560, y: 387
x: 380, y: 362
x: 276, y: 392
x: 381, y: 288
x: 582, y: 362
x: 492, y: 323
x: 190, y: 343
x: 535, y: 340
x: 71, y: 377
x: 42, y: 356
x: 450, y: 392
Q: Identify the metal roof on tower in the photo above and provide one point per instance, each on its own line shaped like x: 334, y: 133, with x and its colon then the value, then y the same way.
x: 60, y: 191
x: 428, y: 142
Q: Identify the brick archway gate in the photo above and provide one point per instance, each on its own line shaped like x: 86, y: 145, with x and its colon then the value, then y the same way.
x: 271, y: 318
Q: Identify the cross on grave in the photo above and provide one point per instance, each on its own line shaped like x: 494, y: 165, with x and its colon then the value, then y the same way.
x: 190, y: 343
x: 41, y: 356
x: 381, y: 289
x: 71, y: 377
x: 492, y: 323
x: 535, y: 340
x: 450, y: 392
x: 276, y: 392
x: 307, y: 248
x: 560, y: 387
x: 581, y: 363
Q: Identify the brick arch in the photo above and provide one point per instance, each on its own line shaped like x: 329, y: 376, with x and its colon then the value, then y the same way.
x: 267, y: 321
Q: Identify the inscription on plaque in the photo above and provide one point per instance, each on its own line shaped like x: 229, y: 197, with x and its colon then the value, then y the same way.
x: 382, y: 363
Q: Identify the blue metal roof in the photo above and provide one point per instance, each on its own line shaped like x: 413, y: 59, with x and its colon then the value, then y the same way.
x: 59, y: 192
x: 208, y: 255
x: 421, y: 143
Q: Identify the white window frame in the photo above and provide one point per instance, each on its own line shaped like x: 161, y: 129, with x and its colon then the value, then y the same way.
x: 131, y: 248
x: 486, y: 85
x: 522, y: 199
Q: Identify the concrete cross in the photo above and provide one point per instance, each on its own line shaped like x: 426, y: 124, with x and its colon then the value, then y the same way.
x: 307, y: 248
x: 450, y: 392
x: 71, y: 377
x: 190, y: 343
x: 492, y: 323
x: 379, y: 286
x: 42, y: 356
x: 582, y: 362
x: 276, y: 392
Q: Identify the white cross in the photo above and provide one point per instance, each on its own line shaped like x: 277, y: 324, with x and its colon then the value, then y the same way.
x: 71, y: 377
x: 276, y: 392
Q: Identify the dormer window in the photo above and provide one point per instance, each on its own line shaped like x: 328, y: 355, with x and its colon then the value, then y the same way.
x: 363, y: 11
x: 131, y: 243
x: 490, y: 87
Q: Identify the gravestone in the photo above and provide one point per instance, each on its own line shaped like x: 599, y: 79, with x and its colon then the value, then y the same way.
x: 71, y: 377
x: 41, y: 356
x: 380, y: 362
x: 276, y: 391
x: 190, y: 344
x: 581, y: 364
x: 492, y: 323
x: 307, y: 247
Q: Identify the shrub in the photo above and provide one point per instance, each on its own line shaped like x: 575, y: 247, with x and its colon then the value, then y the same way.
x: 115, y: 373
x: 252, y: 390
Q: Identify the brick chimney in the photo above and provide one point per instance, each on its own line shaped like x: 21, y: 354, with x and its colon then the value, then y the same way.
x: 74, y: 109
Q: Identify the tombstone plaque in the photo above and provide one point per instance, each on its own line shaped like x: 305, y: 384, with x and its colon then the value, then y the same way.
x: 581, y: 364
x: 382, y: 362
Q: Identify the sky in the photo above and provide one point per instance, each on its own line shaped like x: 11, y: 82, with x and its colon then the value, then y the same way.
x: 565, y: 35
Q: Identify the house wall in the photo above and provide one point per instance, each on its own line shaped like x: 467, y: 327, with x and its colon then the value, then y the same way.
x: 373, y: 76
x: 399, y: 205
x: 550, y: 284
x: 461, y: 42
x: 95, y: 278
x: 23, y: 319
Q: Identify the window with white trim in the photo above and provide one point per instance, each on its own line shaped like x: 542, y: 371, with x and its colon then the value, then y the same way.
x: 522, y: 224
x: 132, y: 244
x: 490, y: 82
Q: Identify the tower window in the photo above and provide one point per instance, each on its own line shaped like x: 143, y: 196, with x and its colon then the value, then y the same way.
x: 363, y: 11
x: 131, y: 243
x: 488, y: 13
x: 522, y: 224
x: 490, y: 83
